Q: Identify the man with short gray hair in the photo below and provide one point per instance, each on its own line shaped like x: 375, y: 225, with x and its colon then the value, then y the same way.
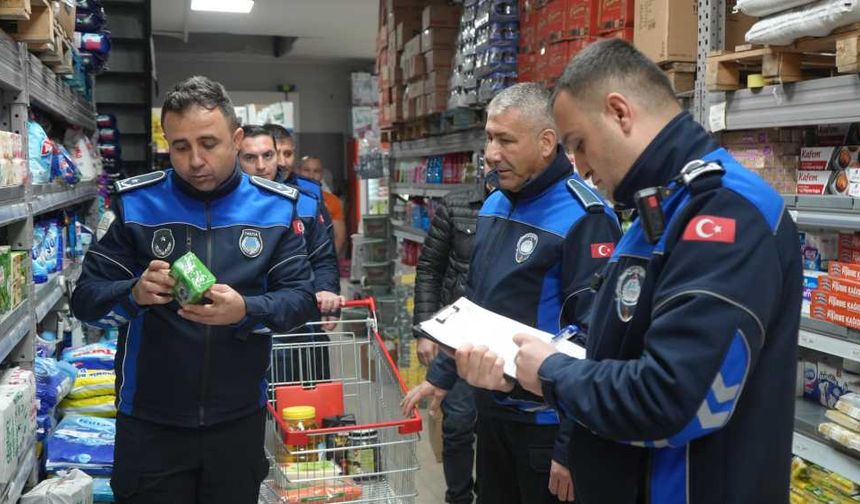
x: 540, y: 239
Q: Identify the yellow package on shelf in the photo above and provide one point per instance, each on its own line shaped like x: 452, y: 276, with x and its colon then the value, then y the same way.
x: 843, y: 420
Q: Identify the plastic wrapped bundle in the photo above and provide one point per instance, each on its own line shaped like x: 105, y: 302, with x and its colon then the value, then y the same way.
x: 814, y: 20
x: 83, y: 443
x: 73, y: 487
x: 53, y: 382
x: 762, y: 8
x: 98, y: 43
x: 93, y: 383
x: 94, y: 356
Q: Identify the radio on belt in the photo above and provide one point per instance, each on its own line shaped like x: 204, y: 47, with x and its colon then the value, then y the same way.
x: 193, y: 279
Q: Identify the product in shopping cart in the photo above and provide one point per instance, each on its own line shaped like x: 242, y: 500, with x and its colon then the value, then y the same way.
x: 305, y: 474
x: 336, y: 491
x: 338, y: 441
x: 192, y: 277
x: 363, y: 454
x: 299, y: 419
x: 73, y: 487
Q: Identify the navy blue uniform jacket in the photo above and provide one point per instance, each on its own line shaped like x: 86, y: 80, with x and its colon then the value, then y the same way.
x: 536, y: 252
x: 687, y: 394
x: 171, y: 370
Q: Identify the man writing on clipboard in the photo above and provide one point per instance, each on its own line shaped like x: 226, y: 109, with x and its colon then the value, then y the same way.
x: 540, y: 239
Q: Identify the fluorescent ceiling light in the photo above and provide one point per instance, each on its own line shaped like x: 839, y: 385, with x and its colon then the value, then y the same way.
x: 237, y: 6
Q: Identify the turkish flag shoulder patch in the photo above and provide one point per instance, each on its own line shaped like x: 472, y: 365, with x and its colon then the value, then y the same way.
x: 708, y: 228
x: 602, y: 250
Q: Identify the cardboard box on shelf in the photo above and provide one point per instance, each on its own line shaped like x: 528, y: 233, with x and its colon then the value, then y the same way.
x: 829, y: 170
x: 438, y: 38
x: 438, y: 58
x: 763, y: 136
x: 436, y: 101
x: 65, y: 15
x: 550, y: 24
x: 839, y: 286
x: 849, y: 240
x: 737, y: 26
x: 581, y: 18
x: 400, y: 14
x: 441, y: 16
x: 837, y: 301
x: 526, y: 67
x: 615, y: 14
x: 415, y: 68
x: 5, y: 278
x: 760, y: 156
x: 848, y: 255
x: 666, y: 30
x: 834, y: 316
x: 437, y: 79
x: 412, y: 46
x: 406, y: 30
x: 848, y: 271
x: 623, y: 34
x: 420, y: 109
x: 416, y: 88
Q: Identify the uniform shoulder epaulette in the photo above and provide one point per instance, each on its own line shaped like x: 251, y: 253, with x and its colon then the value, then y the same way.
x: 585, y: 195
x: 284, y: 190
x: 139, y: 181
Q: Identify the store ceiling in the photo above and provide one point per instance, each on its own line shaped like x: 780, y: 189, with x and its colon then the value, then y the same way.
x: 324, y: 29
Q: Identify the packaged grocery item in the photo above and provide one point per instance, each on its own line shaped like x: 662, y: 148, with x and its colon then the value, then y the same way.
x: 63, y: 166
x: 818, y: 249
x: 94, y: 42
x: 850, y: 405
x: 93, y: 383
x: 334, y: 491
x: 363, y: 456
x: 5, y: 278
x: 833, y: 382
x: 106, y: 121
x: 53, y: 382
x: 73, y: 487
x: 192, y: 277
x: 94, y: 356
x: 846, y: 304
x: 101, y: 406
x: 847, y: 271
x: 82, y: 442
x: 844, y: 420
x: 305, y: 474
x: 834, y: 316
x: 17, y: 419
x: 51, y: 247
x: 102, y: 491
x: 839, y: 286
x: 828, y: 170
x: 841, y: 435
x: 45, y: 426
x: 40, y: 153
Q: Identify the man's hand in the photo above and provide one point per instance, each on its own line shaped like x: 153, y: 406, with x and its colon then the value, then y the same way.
x: 533, y: 351
x: 560, y: 482
x: 482, y: 368
x: 329, y: 302
x: 427, y: 350
x: 155, y: 286
x: 425, y: 389
x: 227, y: 307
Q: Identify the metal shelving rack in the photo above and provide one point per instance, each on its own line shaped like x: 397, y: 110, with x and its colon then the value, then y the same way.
x: 25, y: 82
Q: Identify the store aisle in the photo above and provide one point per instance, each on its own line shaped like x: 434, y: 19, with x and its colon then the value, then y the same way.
x: 429, y: 481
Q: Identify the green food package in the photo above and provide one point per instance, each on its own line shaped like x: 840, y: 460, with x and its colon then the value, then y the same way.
x: 192, y: 277
x: 5, y: 278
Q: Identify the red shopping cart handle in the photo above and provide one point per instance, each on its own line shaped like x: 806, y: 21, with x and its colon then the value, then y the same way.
x: 369, y: 303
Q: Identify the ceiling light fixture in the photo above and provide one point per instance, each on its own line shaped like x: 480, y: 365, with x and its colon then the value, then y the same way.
x: 232, y: 6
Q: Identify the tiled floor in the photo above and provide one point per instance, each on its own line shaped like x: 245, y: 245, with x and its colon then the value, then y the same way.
x: 429, y: 480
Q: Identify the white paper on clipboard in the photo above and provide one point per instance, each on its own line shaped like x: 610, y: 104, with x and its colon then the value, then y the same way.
x: 464, y: 323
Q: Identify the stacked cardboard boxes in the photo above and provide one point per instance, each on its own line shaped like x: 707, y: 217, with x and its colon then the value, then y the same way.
x: 771, y: 153
x: 837, y: 298
x: 440, y: 25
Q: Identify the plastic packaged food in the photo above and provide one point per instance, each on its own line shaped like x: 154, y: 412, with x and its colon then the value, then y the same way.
x: 298, y: 419
x: 192, y: 277
x: 336, y: 491
x: 841, y: 435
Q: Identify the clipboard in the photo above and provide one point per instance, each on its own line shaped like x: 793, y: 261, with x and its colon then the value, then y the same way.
x: 464, y: 322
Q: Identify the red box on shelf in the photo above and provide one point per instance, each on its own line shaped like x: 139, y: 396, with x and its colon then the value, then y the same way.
x: 551, y: 20
x: 528, y: 34
x: 624, y: 34
x: 616, y: 14
x: 559, y: 54
x: 580, y: 18
x: 526, y: 67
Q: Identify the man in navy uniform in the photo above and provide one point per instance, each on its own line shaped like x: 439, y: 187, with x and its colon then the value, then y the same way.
x: 687, y: 391
x: 191, y: 380
x: 540, y: 239
x: 258, y: 156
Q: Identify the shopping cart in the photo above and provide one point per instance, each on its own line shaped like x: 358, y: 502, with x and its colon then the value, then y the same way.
x: 362, y: 449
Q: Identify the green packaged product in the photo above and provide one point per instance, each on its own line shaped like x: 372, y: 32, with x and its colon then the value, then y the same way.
x: 192, y: 277
x: 5, y: 278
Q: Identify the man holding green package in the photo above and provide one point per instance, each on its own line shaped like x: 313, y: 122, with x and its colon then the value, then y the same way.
x: 193, y: 260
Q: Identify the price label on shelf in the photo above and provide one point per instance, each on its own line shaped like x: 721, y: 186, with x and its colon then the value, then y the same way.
x: 717, y: 117
x: 793, y: 214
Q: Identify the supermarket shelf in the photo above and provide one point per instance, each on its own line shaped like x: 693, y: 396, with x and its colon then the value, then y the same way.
x: 11, y: 76
x: 13, y: 328
x: 50, y: 197
x: 819, y: 101
x: 427, y: 190
x: 814, y: 447
x: 49, y: 92
x: 829, y: 338
x: 28, y: 464
x: 462, y: 141
x: 12, y: 205
x: 410, y: 233
x: 824, y: 212
x: 48, y: 294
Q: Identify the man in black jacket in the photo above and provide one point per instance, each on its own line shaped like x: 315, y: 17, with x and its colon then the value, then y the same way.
x: 441, y: 280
